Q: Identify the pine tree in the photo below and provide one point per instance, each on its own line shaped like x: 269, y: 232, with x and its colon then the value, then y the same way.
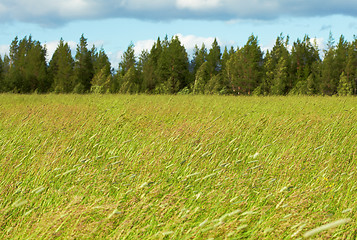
x: 2, y: 83
x: 345, y: 87
x: 224, y: 81
x: 305, y: 59
x: 328, y: 82
x: 142, y: 63
x: 150, y: 67
x: 5, y: 71
x: 61, y: 68
x: 36, y: 68
x: 199, y: 57
x: 268, y: 78
x: 83, y: 67
x: 215, y: 84
x: 28, y: 68
x: 172, y: 71
x: 201, y: 79
x: 278, y: 54
x: 127, y: 79
x: 214, y: 59
x: 279, y: 82
x: 102, y: 79
x: 333, y: 65
x: 252, y: 66
x: 351, y: 66
x: 235, y: 72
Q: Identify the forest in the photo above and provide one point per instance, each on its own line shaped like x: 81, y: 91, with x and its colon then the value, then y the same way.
x: 300, y: 68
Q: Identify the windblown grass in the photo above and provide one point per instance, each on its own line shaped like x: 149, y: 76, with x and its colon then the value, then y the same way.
x: 177, y: 167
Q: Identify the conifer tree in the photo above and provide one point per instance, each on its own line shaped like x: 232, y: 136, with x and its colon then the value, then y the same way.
x: 345, y: 87
x: 252, y: 66
x: 83, y: 67
x: 305, y: 59
x: 61, y: 68
x: 172, y: 71
x: 102, y: 79
x: 5, y: 72
x: 150, y: 67
x: 28, y: 68
x: 214, y: 59
x: 351, y: 65
x: 199, y: 57
x: 127, y: 76
x: 223, y: 78
x: 2, y: 83
x: 328, y: 77
x: 201, y: 79
x: 280, y: 79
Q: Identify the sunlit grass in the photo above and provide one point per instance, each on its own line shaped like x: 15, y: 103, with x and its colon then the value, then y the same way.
x: 177, y: 167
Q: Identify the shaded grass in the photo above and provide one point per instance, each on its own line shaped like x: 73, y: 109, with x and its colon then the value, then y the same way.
x: 176, y: 167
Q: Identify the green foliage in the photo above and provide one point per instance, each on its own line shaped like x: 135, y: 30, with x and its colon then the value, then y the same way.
x: 166, y: 68
x: 83, y: 66
x: 280, y: 79
x: 199, y: 57
x: 214, y: 59
x: 172, y: 66
x: 345, y: 87
x: 28, y: 68
x: 201, y: 79
x: 304, y: 56
x: 2, y: 83
x: 61, y: 68
x: 101, y: 81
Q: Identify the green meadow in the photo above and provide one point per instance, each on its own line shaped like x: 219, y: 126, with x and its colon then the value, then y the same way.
x: 177, y: 167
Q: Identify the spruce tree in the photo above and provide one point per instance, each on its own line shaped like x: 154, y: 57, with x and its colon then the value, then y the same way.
x: 150, y: 67
x: 201, y: 79
x: 235, y: 71
x: 345, y: 87
x: 172, y: 71
x: 83, y: 67
x: 305, y: 60
x: 2, y: 83
x: 280, y: 79
x: 61, y: 68
x: 142, y: 62
x: 214, y: 59
x: 5, y: 71
x: 252, y: 66
x: 126, y: 76
x: 351, y: 65
x: 28, y: 67
x: 199, y: 57
x: 328, y: 77
x: 102, y: 79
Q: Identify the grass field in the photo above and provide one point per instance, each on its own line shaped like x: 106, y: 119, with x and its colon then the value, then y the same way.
x: 177, y: 167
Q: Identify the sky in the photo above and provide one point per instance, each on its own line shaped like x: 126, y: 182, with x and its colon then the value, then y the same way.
x: 114, y: 24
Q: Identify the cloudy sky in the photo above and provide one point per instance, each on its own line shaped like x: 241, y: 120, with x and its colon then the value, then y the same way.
x: 113, y: 24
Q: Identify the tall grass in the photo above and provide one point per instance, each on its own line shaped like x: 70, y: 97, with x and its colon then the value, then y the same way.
x: 177, y: 167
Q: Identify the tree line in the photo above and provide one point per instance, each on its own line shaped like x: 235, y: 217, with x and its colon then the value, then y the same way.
x: 166, y: 69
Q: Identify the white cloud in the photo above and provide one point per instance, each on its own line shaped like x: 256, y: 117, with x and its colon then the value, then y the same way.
x: 4, y: 49
x: 197, y: 4
x: 139, y: 46
x: 189, y: 41
x: 52, y: 46
x: 50, y: 12
x: 3, y: 8
x: 320, y: 42
x: 115, y: 58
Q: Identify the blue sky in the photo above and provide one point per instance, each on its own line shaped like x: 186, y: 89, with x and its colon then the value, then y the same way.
x: 113, y: 24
